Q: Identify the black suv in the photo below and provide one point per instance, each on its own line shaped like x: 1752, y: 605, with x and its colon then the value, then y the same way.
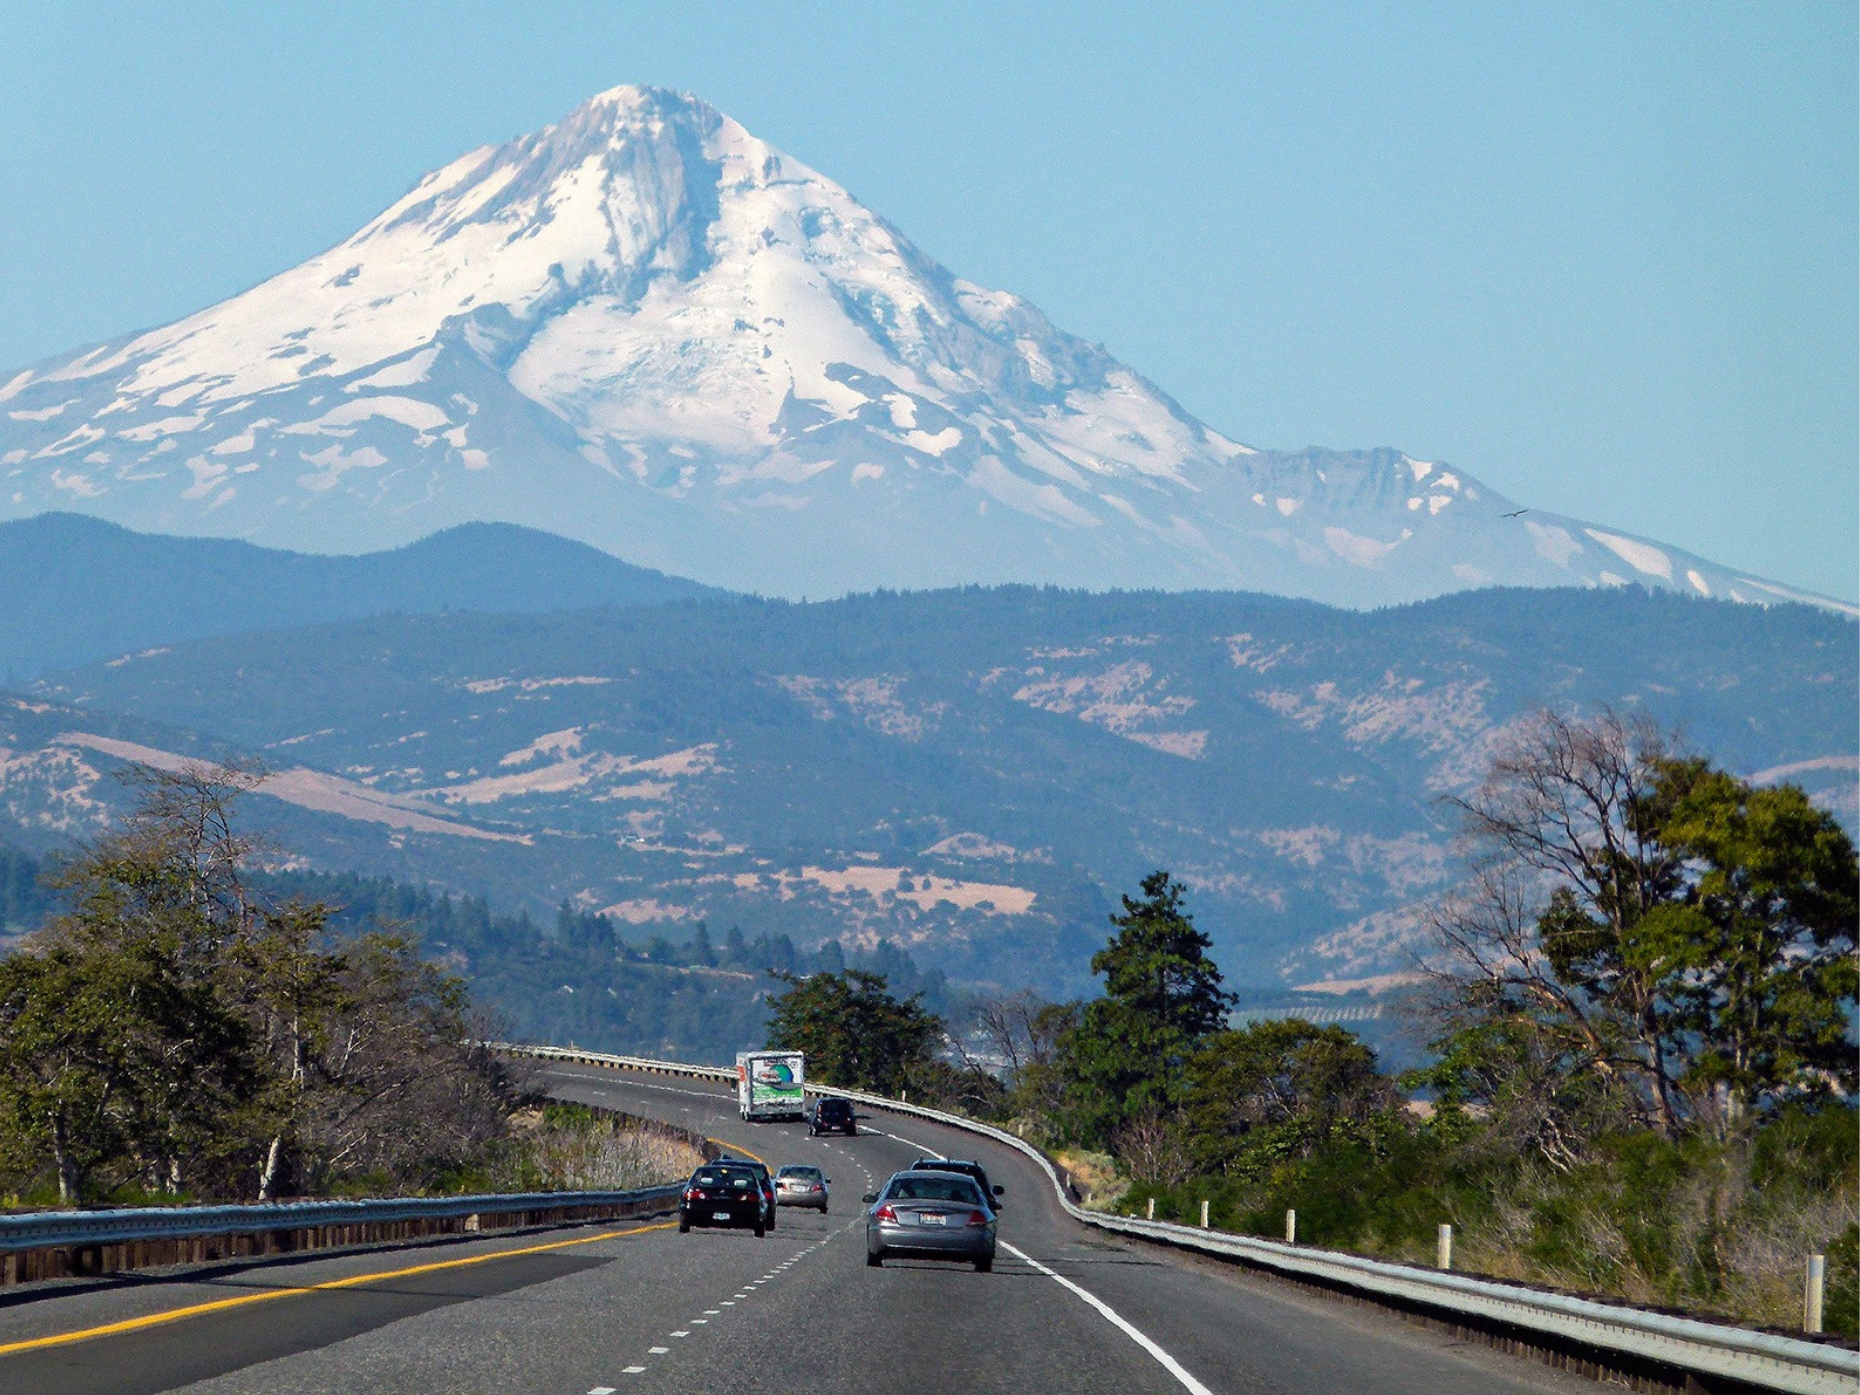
x: 967, y: 1169
x: 725, y: 1194
x: 833, y: 1115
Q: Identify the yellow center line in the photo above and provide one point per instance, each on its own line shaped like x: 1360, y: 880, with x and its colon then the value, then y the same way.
x: 136, y: 1324
x: 738, y: 1148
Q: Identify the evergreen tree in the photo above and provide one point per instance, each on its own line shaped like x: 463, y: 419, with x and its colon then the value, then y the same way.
x: 1163, y: 996
x: 736, y: 949
x: 1157, y: 964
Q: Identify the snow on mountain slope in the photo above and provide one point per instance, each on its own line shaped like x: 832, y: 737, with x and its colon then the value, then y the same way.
x: 648, y: 330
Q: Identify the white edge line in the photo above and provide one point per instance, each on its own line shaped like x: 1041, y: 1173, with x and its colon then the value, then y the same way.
x: 1111, y: 1315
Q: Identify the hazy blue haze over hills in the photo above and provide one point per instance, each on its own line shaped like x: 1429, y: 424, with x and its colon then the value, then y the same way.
x: 77, y: 590
x: 971, y: 774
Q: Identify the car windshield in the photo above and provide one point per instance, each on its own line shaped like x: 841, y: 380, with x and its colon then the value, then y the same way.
x: 722, y: 1178
x: 929, y: 1187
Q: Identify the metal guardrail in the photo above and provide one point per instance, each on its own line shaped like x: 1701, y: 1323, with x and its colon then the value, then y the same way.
x: 58, y: 1229
x: 1691, y: 1345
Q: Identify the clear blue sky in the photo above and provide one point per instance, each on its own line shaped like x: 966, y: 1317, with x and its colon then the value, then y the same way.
x: 1602, y: 256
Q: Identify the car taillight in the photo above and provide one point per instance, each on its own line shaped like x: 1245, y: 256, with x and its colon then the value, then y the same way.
x: 693, y: 1194
x: 816, y: 1188
x: 885, y: 1213
x: 977, y: 1218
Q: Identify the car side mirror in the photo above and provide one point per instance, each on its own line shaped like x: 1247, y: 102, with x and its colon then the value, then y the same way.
x: 869, y: 1198
x: 1000, y: 1191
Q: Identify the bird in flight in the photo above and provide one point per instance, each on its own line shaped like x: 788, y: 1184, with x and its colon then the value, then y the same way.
x: 1515, y: 512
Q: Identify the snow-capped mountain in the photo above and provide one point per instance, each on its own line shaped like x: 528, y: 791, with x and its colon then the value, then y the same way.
x: 648, y: 330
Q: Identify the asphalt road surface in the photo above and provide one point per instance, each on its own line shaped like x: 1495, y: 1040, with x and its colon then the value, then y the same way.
x: 638, y: 1307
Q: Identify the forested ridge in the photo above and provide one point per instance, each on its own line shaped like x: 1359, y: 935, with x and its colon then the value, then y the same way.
x: 573, y: 979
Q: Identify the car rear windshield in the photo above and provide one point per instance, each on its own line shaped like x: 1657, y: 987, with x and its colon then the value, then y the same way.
x: 835, y: 1109
x: 967, y: 1169
x: 932, y: 1188
x: 722, y: 1178
x: 808, y: 1172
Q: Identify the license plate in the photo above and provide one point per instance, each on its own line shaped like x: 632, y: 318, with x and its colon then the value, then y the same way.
x: 720, y: 1215
x: 934, y: 1218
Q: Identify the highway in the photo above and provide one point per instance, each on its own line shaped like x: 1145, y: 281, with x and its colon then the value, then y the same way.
x: 638, y: 1307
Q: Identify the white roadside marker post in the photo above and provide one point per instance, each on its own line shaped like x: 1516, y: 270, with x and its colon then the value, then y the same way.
x: 1149, y: 1212
x: 1443, y: 1252
x: 1812, y: 1292
x: 1204, y: 1215
x: 1291, y: 1227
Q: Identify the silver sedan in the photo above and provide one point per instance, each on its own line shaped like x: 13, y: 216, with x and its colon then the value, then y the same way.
x: 930, y: 1215
x: 802, y: 1186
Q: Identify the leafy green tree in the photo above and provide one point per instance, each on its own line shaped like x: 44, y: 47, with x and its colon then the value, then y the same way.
x: 1647, y: 922
x: 855, y: 1033
x: 1566, y: 868
x: 172, y: 1030
x: 1763, y: 939
x: 1278, y: 1089
x: 61, y: 1064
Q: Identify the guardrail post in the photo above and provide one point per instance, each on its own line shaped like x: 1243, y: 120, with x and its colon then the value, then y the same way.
x: 1812, y: 1292
x: 1291, y: 1227
x: 1443, y: 1248
x: 1204, y: 1215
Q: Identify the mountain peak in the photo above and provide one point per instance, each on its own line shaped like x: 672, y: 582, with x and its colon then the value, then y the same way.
x: 646, y: 329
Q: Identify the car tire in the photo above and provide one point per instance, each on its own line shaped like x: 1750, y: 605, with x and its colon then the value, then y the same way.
x: 760, y: 1230
x: 985, y: 1265
x: 684, y: 1225
x: 873, y: 1261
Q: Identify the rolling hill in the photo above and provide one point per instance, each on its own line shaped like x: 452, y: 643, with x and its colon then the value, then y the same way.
x: 972, y: 774
x: 78, y: 590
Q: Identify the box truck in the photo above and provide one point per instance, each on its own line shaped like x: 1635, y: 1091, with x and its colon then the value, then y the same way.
x: 771, y: 1084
